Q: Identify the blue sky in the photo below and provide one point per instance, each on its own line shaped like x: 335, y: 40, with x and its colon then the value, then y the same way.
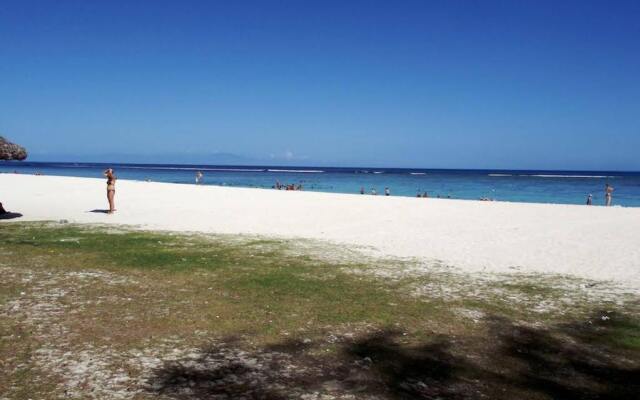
x: 449, y: 84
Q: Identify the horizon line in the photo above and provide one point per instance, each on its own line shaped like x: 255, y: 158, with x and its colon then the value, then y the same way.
x: 16, y: 162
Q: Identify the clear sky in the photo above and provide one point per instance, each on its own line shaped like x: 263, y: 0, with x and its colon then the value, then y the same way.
x: 451, y: 84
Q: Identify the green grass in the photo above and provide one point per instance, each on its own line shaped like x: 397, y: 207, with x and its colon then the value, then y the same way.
x: 255, y: 274
x: 269, y: 291
x: 615, y: 330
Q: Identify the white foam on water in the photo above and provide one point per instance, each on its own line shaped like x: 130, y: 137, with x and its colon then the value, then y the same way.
x: 311, y: 171
x: 196, y: 169
x: 571, y: 176
x: 233, y: 169
x: 557, y: 176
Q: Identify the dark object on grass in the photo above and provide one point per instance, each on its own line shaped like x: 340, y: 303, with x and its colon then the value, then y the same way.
x: 4, y: 214
x: 10, y: 215
x: 11, y: 151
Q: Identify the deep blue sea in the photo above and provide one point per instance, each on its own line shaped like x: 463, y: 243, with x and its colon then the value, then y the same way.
x: 567, y: 187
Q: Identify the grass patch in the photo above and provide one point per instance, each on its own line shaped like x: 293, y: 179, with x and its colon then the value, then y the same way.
x: 236, y: 285
x: 114, y: 301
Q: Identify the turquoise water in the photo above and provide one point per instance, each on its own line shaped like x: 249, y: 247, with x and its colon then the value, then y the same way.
x: 567, y: 187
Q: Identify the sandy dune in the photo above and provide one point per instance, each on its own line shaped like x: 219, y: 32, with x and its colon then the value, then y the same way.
x: 590, y: 242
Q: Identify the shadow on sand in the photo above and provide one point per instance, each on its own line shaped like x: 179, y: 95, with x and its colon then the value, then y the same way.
x: 588, y: 359
x: 99, y: 211
x: 10, y: 215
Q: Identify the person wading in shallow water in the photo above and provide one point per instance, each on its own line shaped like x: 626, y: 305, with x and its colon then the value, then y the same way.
x: 111, y: 189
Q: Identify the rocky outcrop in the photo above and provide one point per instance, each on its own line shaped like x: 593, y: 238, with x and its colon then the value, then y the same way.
x: 10, y: 151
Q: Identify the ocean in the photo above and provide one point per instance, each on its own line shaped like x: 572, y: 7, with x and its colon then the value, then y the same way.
x: 564, y: 187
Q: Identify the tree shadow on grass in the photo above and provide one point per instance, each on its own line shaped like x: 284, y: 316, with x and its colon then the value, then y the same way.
x: 226, y: 372
x: 578, y: 360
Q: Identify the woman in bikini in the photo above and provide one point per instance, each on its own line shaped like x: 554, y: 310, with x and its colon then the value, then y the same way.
x: 608, y: 192
x: 111, y: 188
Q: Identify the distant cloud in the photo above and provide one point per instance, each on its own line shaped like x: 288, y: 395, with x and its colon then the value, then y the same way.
x: 288, y: 155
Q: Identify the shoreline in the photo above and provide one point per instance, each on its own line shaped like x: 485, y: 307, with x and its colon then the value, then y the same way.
x: 597, y: 243
x: 478, y: 185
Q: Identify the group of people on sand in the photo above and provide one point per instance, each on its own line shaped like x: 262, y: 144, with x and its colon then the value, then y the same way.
x: 289, y: 186
x: 111, y: 191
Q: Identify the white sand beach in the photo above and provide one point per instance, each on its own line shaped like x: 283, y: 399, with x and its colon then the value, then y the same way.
x: 590, y: 242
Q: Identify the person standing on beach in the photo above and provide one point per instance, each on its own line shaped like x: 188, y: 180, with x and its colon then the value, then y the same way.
x: 608, y: 192
x: 199, y: 177
x: 387, y: 192
x: 111, y: 189
x: 589, y: 199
